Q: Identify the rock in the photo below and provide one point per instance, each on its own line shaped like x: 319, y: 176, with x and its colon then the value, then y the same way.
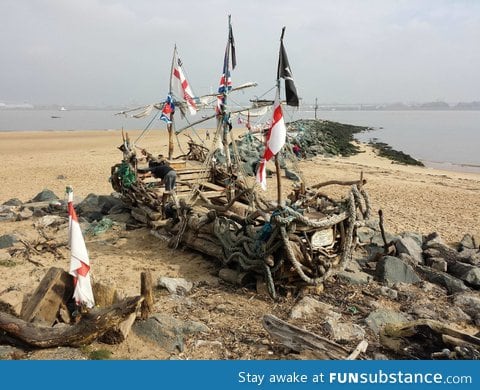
x: 365, y: 234
x: 50, y: 220
x: 418, y: 238
x: 358, y: 277
x: 24, y: 214
x: 168, y: 332
x: 411, y: 247
x: 470, y: 304
x: 178, y: 286
x: 45, y: 195
x: 387, y: 292
x: 7, y: 240
x: 451, y: 283
x: 467, y: 242
x: 291, y: 175
x: 4, y: 255
x: 309, y: 308
x: 378, y: 240
x: 466, y: 272
x: 381, y: 317
x: 344, y: 331
x: 392, y: 269
x: 438, y: 263
x: 13, y: 202
x: 432, y: 239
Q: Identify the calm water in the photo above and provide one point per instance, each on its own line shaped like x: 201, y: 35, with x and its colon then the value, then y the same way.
x: 447, y: 139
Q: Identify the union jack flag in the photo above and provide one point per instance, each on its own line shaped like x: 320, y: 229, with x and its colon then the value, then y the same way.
x: 225, y: 84
x: 168, y: 108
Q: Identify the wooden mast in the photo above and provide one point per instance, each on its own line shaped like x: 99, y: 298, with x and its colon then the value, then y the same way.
x: 170, y: 126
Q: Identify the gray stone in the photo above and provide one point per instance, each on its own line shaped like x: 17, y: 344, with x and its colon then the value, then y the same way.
x: 470, y: 304
x: 168, y: 332
x: 392, y: 269
x: 51, y: 220
x: 432, y: 239
x: 357, y: 278
x: 4, y: 255
x: 310, y: 308
x: 291, y: 175
x: 451, y: 283
x: 24, y: 214
x: 177, y: 286
x: 365, y: 234
x: 344, y: 331
x: 387, y: 292
x: 13, y: 202
x: 468, y: 242
x: 438, y: 263
x: 411, y: 247
x: 378, y: 240
x: 45, y: 195
x: 381, y: 317
x: 7, y: 240
x: 418, y: 238
x: 466, y: 272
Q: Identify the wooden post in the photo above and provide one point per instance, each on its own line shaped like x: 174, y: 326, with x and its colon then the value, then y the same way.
x: 279, y: 181
x: 146, y: 290
x: 170, y: 139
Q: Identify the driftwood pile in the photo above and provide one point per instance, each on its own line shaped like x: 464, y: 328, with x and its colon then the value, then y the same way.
x: 50, y: 319
x: 287, y: 247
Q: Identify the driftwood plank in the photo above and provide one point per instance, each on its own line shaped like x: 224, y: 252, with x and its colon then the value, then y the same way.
x: 90, y: 327
x: 300, y: 340
x: 55, y: 288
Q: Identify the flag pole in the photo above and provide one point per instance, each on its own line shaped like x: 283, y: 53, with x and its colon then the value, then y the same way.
x: 170, y: 125
x: 225, y: 92
x: 277, y: 163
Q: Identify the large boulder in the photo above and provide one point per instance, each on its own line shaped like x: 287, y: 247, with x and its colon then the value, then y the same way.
x: 44, y: 196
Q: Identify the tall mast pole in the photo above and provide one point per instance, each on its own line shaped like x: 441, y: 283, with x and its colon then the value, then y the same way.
x: 277, y: 163
x: 316, y: 108
x: 225, y: 115
x: 170, y: 126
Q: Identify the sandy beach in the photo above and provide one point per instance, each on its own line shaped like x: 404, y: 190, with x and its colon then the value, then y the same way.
x: 423, y: 200
x: 413, y: 199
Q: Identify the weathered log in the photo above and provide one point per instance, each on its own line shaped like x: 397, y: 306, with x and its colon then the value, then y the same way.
x: 299, y: 339
x: 146, y: 290
x: 90, y: 327
x: 55, y: 288
x: 205, y: 246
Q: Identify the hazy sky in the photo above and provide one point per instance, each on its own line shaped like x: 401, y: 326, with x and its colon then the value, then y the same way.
x: 118, y: 52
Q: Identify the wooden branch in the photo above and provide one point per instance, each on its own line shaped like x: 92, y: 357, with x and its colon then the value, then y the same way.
x: 90, y: 327
x: 339, y: 183
x: 146, y: 290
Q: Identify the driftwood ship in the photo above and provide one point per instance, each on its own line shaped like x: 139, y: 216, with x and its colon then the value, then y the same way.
x: 217, y: 211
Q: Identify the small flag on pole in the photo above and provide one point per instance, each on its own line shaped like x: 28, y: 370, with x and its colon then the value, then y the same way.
x: 275, y: 140
x: 168, y: 108
x: 180, y: 85
x: 79, y: 262
x: 230, y: 57
x: 285, y: 72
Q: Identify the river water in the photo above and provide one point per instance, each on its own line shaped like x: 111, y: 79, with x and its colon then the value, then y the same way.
x: 443, y: 139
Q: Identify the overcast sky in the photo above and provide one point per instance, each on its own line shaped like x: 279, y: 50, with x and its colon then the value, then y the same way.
x: 118, y: 52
